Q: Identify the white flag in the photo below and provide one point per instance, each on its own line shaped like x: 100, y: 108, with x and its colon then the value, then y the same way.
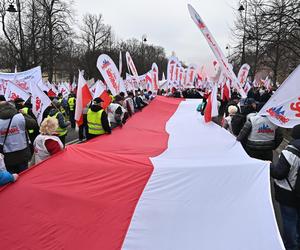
x: 171, y: 71
x: 120, y: 63
x: 155, y: 76
x: 130, y: 64
x: 243, y: 74
x: 12, y: 92
x: 190, y: 76
x: 110, y: 74
x: 222, y: 60
x: 40, y: 101
x: 283, y: 108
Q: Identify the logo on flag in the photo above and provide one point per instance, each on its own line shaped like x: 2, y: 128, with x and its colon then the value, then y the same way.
x: 201, y: 25
x: 37, y: 103
x: 278, y: 114
x: 105, y: 64
x: 296, y: 107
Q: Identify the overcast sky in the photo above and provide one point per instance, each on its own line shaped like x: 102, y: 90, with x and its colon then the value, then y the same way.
x: 167, y: 23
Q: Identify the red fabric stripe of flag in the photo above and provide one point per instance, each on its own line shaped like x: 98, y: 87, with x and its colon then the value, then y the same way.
x: 106, y: 99
x: 208, y: 109
x: 51, y: 93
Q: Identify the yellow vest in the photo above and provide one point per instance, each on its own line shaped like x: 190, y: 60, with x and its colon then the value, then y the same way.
x: 71, y: 103
x: 94, y: 122
x: 26, y: 110
x: 60, y: 131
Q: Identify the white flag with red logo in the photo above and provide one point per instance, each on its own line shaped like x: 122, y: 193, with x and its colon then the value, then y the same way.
x: 225, y: 89
x: 13, y: 91
x: 155, y: 76
x: 40, y: 101
x: 171, y: 69
x: 211, y: 109
x: 191, y: 75
x: 243, y: 74
x: 120, y: 63
x: 64, y: 89
x: 222, y: 60
x: 247, y: 87
x: 283, y: 108
x: 83, y: 98
x: 130, y: 65
x: 111, y: 75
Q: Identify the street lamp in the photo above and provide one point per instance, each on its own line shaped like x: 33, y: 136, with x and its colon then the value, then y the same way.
x: 241, y: 9
x: 144, y: 40
x: 11, y: 7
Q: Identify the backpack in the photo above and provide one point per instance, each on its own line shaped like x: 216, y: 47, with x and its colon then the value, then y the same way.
x: 296, y: 188
x: 237, y: 123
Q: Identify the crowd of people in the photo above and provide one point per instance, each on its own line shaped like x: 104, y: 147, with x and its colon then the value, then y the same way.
x: 24, y: 143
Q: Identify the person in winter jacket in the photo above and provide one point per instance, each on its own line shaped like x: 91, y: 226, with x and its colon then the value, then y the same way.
x: 97, y: 120
x: 260, y: 137
x: 62, y: 123
x: 232, y: 110
x: 47, y: 142
x: 16, y: 147
x: 287, y: 190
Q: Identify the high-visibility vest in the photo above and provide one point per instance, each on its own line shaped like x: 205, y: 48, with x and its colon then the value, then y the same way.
x: 94, y: 122
x: 26, y: 110
x: 71, y: 103
x: 60, y: 131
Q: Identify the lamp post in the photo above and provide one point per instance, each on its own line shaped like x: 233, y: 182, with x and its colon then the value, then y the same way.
x: 241, y: 9
x: 144, y: 40
x: 228, y: 51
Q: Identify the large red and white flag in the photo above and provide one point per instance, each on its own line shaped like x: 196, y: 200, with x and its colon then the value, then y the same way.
x: 222, y: 60
x: 111, y: 75
x: 283, y: 108
x: 243, y: 74
x: 118, y: 192
x: 211, y: 109
x: 40, y: 101
x: 131, y: 65
x: 225, y: 89
x: 13, y: 91
x: 83, y: 97
x: 154, y: 76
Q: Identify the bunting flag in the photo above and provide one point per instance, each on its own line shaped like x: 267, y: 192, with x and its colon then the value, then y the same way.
x: 40, y: 101
x: 120, y: 63
x: 152, y: 185
x: 211, y: 109
x: 13, y: 91
x: 83, y: 98
x: 130, y: 65
x: 283, y: 108
x: 191, y: 75
x: 111, y: 75
x: 171, y: 70
x: 222, y: 60
x: 154, y: 76
x: 243, y: 74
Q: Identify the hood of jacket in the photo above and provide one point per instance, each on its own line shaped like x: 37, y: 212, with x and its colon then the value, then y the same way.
x: 7, y: 111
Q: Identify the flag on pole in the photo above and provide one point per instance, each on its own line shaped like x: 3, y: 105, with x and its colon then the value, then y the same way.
x: 243, y: 74
x: 211, y: 109
x: 13, y: 91
x: 155, y: 76
x: 120, y: 63
x: 130, y: 65
x: 216, y: 50
x: 101, y: 92
x: 40, y: 101
x: 83, y: 97
x: 283, y: 108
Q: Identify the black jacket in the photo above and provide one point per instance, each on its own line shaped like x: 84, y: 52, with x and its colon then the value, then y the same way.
x: 280, y: 171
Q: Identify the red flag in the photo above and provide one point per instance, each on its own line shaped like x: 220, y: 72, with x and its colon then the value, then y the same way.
x: 208, y: 109
x: 82, y: 99
x: 211, y: 109
x: 50, y: 93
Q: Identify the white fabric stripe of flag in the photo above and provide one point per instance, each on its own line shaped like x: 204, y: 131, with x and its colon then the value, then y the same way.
x: 204, y: 193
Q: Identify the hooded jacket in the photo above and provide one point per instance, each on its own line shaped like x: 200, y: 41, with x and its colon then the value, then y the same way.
x: 7, y: 111
x: 286, y: 169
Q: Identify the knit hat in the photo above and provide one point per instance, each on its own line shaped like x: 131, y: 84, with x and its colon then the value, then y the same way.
x: 296, y: 132
x: 232, y: 109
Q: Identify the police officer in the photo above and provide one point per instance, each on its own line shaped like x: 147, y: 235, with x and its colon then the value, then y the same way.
x: 260, y: 137
x: 71, y: 107
x: 97, y: 120
x: 62, y: 123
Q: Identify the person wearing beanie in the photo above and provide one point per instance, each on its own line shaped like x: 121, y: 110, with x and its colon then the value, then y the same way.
x: 97, y: 120
x: 47, y: 143
x: 232, y: 110
x: 287, y: 189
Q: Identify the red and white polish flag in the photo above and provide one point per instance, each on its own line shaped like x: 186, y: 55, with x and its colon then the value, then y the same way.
x: 211, y: 109
x: 169, y: 193
x: 83, y: 97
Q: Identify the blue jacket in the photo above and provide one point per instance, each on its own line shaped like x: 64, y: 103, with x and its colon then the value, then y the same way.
x: 5, y: 177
